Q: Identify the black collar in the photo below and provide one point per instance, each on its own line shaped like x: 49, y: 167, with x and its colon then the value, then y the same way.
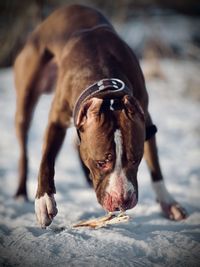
x: 105, y: 89
x: 111, y: 90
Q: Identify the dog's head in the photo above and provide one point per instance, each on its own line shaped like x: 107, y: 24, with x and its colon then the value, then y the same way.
x: 112, y: 142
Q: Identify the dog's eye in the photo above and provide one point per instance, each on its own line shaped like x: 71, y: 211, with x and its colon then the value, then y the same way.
x: 101, y: 164
x: 106, y: 163
x: 109, y: 157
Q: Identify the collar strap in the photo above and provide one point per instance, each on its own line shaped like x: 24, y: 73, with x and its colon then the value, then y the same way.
x: 105, y: 89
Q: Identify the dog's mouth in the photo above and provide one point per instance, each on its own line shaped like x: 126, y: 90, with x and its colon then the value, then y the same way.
x: 115, y: 202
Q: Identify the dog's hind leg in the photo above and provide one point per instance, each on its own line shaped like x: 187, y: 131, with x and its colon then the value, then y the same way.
x: 27, y: 69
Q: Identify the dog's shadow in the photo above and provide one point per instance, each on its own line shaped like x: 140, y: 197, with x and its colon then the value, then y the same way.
x: 22, y: 208
x: 15, y: 207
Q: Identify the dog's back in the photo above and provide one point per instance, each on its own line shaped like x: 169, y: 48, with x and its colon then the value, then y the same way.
x: 76, y: 34
x: 64, y: 22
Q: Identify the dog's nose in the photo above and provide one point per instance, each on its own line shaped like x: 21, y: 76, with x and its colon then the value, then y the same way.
x: 114, y: 202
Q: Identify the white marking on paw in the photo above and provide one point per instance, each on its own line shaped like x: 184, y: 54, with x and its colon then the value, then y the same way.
x: 45, y: 209
x: 162, y: 193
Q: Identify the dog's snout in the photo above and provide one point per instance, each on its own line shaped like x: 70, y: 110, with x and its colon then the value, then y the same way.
x: 114, y: 201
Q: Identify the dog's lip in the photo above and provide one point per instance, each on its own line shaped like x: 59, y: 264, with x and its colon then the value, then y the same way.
x: 112, y: 203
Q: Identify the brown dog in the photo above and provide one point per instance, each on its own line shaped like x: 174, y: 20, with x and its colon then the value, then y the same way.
x: 99, y: 81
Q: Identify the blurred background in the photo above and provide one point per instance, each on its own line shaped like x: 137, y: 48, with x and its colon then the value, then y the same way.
x: 161, y: 28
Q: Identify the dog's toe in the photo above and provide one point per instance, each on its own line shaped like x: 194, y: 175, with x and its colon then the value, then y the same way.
x: 173, y: 211
x: 45, y: 210
x: 178, y: 212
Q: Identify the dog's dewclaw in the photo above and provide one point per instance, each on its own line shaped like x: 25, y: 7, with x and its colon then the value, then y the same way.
x: 103, y: 221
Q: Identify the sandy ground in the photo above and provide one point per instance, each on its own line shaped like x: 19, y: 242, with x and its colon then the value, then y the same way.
x: 148, y: 239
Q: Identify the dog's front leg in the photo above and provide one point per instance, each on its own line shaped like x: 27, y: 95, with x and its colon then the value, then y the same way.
x: 45, y: 205
x: 170, y: 207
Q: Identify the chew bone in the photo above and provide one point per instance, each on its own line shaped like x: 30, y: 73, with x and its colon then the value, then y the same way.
x: 97, y: 223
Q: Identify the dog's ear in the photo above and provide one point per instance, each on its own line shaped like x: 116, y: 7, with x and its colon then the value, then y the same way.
x: 88, y: 111
x: 132, y: 107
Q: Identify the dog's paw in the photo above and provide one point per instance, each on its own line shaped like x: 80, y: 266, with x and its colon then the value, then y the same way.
x: 45, y: 209
x: 173, y: 211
